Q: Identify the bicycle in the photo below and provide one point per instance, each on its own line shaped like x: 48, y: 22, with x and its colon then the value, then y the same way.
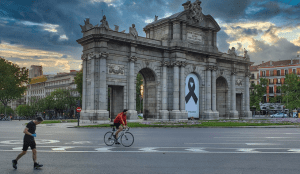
x: 126, y: 137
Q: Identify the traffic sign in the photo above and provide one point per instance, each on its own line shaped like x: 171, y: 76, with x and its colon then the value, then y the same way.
x: 78, y: 109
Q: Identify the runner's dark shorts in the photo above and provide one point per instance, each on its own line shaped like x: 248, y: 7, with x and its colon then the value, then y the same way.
x: 28, y: 143
x: 117, y: 125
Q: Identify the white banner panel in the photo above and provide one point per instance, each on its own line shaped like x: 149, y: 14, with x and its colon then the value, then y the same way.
x: 192, y: 95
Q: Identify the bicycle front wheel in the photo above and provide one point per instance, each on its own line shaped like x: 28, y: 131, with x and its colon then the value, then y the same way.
x: 109, y: 139
x: 127, y: 139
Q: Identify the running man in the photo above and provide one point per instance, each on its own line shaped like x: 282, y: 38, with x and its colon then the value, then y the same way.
x: 120, y: 119
x: 29, y: 141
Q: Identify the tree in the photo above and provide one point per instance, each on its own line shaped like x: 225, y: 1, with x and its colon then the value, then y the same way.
x: 291, y: 91
x: 13, y: 80
x: 259, y: 90
x: 78, y: 81
x: 8, y: 109
x: 139, y: 83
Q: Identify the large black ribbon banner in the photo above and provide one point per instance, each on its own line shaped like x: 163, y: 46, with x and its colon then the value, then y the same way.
x: 191, y: 91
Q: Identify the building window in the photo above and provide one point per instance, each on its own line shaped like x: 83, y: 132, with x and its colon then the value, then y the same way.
x: 277, y: 90
x: 270, y: 89
x: 278, y: 72
x: 286, y: 72
x: 294, y: 71
x: 264, y: 73
x: 252, y: 76
x: 271, y: 81
x: 278, y: 81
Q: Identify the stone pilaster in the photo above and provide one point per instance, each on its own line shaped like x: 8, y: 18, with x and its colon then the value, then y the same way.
x: 214, y: 93
x: 103, y: 113
x: 175, y: 113
x: 132, y: 113
x: 233, y: 112
x: 176, y: 30
x: 164, y: 113
x: 183, y: 31
x: 182, y: 90
x: 247, y: 112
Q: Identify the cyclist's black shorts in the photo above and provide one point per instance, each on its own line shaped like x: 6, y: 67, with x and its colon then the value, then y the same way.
x: 28, y: 143
x: 117, y: 125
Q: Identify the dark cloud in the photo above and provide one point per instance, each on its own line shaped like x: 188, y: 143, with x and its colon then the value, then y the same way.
x: 251, y: 32
x: 283, y: 49
x: 222, y: 38
x: 64, y: 56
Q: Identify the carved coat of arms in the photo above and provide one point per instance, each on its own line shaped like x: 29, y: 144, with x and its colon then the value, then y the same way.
x: 238, y: 82
x: 195, y: 11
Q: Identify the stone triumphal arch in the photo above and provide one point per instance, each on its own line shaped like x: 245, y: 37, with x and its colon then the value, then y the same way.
x: 184, y: 73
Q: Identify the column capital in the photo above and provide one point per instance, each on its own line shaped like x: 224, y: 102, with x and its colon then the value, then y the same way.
x: 183, y: 63
x: 233, y: 72
x: 209, y: 67
x: 247, y: 74
x: 104, y: 55
x: 176, y: 63
x: 84, y: 56
x: 214, y: 68
x: 165, y: 63
x: 132, y: 59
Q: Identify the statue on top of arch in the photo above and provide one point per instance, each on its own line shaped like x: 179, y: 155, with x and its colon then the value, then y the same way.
x: 195, y: 10
x: 87, y: 25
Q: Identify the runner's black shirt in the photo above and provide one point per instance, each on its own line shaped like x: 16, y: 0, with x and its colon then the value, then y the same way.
x: 31, y: 129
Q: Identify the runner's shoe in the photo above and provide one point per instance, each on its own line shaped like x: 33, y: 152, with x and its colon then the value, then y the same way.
x: 37, y: 165
x: 14, y: 163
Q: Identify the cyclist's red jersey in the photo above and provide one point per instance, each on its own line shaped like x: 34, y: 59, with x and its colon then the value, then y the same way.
x: 121, y: 118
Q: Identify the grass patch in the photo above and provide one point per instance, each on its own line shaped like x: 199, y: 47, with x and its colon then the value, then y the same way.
x: 58, y: 121
x: 195, y: 124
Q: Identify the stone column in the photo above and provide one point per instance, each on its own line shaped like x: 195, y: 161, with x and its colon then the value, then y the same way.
x: 151, y: 33
x: 210, y: 41
x: 214, y: 89
x: 208, y: 88
x: 132, y: 113
x: 103, y: 112
x: 182, y: 90
x: 233, y: 112
x: 175, y: 113
x: 164, y: 113
x: 248, y: 113
x: 92, y: 112
x: 214, y: 93
x: 84, y: 84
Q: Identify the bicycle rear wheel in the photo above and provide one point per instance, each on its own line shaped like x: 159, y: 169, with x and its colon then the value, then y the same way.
x: 127, y: 139
x: 109, y: 139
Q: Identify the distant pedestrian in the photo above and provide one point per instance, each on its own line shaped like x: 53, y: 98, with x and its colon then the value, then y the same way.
x: 29, y: 141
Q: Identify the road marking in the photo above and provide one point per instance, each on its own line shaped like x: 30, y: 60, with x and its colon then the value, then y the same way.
x: 17, y: 148
x: 294, y: 150
x: 103, y: 149
x: 61, y: 148
x: 260, y: 144
x: 37, y: 141
x: 247, y: 150
x: 148, y: 149
x: 79, y: 142
x: 196, y: 150
x: 214, y: 143
x: 254, y: 137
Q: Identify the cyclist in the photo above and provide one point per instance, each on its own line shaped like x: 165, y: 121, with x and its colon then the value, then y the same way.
x: 120, y: 119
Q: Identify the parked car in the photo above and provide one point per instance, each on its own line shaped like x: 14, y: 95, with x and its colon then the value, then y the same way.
x: 278, y: 115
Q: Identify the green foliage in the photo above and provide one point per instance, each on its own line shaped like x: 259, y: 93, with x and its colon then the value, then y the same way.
x: 139, y: 82
x: 78, y: 81
x: 24, y: 110
x: 259, y: 90
x: 9, y: 110
x: 291, y: 91
x: 13, y: 80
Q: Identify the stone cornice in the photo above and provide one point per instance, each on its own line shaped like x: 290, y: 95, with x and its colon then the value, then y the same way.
x: 141, y: 41
x: 97, y: 55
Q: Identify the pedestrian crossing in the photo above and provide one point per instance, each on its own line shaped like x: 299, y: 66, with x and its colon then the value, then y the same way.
x: 121, y: 149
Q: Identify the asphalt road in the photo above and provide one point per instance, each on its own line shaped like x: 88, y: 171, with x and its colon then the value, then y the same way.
x: 65, y: 150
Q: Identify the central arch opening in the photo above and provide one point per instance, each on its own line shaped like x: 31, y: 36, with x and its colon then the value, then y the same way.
x: 146, y: 93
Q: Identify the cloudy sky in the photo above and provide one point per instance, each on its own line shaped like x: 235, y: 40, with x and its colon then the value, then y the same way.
x: 44, y: 32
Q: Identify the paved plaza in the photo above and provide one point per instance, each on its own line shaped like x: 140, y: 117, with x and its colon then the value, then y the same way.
x: 155, y: 150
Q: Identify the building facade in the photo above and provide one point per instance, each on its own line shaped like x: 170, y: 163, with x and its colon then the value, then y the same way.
x: 183, y: 71
x: 275, y: 72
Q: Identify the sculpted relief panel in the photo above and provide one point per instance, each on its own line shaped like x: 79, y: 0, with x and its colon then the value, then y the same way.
x: 116, y: 69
